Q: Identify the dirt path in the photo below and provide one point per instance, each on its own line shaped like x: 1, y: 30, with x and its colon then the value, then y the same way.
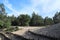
x: 24, y: 29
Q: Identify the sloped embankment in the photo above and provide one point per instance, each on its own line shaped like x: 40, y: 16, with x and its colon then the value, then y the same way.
x: 52, y: 31
x: 11, y: 36
x: 3, y: 37
x: 48, y: 33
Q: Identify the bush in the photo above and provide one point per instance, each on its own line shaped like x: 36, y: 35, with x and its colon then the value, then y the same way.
x: 11, y: 29
x: 7, y: 24
x: 16, y: 28
x: 1, y: 24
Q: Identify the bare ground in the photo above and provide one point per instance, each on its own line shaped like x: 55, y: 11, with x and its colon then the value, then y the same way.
x: 24, y: 29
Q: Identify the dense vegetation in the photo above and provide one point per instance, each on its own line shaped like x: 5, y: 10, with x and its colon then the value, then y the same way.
x: 26, y: 20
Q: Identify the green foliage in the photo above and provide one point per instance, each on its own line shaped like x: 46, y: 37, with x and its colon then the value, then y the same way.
x: 24, y: 20
x: 11, y: 29
x: 56, y: 18
x: 3, y: 17
x: 2, y: 9
x: 7, y: 24
x: 16, y: 28
x: 36, y: 20
x: 48, y: 21
x: 13, y: 20
x: 1, y: 24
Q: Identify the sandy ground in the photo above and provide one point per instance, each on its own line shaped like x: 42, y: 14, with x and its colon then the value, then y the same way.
x: 22, y: 30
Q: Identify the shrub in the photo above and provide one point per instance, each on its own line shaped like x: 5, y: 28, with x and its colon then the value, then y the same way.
x: 1, y: 24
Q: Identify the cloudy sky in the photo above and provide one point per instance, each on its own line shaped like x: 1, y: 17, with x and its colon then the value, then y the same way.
x: 40, y: 7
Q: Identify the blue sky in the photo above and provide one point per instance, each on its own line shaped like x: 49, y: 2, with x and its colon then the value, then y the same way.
x: 40, y: 7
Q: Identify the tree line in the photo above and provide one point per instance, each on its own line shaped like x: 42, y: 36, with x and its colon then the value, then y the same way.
x: 25, y: 19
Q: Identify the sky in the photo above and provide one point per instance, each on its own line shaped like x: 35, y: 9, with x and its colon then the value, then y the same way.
x: 40, y: 7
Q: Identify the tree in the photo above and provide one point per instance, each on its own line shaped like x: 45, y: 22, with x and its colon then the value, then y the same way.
x: 3, y: 16
x: 36, y: 20
x: 24, y: 20
x: 56, y: 18
x: 48, y: 21
x: 2, y: 9
x: 2, y: 12
x: 7, y: 24
x: 13, y: 20
x: 1, y: 24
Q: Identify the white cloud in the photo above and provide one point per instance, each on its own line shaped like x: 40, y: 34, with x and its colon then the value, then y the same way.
x: 54, y: 6
x: 46, y: 6
x: 25, y: 10
x: 8, y: 5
